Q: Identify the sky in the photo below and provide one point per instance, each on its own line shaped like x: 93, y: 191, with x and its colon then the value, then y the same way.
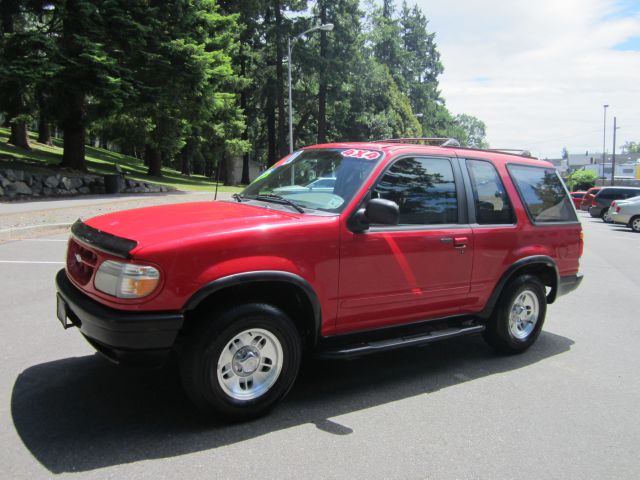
x: 539, y: 72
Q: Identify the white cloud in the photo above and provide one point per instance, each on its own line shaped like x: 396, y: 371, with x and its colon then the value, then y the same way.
x: 537, y: 73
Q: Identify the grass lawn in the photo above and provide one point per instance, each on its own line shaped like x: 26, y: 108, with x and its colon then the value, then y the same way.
x: 100, y: 161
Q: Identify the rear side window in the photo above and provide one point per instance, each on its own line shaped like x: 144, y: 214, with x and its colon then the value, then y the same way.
x: 543, y: 194
x: 489, y: 196
x: 423, y: 188
x: 607, y: 195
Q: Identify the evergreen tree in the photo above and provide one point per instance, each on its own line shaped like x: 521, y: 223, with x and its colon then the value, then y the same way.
x: 25, y: 50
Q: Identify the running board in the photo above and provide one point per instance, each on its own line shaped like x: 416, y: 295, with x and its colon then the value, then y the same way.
x: 394, y: 343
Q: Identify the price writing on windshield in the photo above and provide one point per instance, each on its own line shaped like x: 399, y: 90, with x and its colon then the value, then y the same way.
x: 368, y: 154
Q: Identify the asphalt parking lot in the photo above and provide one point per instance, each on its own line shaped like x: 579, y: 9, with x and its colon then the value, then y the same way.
x: 569, y: 408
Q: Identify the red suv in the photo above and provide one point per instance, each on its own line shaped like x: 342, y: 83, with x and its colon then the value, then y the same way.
x: 412, y: 244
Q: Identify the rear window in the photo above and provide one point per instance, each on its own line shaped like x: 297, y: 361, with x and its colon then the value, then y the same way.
x: 543, y: 194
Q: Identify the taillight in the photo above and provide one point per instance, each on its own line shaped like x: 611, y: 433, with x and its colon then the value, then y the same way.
x: 581, y: 247
x: 617, y: 209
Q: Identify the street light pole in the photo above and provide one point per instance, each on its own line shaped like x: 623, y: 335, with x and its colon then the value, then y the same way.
x: 604, y: 139
x: 613, y: 158
x: 290, y: 44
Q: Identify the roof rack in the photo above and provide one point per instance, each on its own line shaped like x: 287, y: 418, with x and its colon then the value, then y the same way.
x: 437, y: 141
x: 513, y: 151
x: 452, y: 142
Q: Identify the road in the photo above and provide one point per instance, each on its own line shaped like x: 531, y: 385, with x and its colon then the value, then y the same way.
x: 569, y: 408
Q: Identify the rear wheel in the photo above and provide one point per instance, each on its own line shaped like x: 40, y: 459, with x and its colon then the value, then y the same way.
x: 606, y: 217
x: 635, y: 224
x: 518, y: 318
x: 241, y: 363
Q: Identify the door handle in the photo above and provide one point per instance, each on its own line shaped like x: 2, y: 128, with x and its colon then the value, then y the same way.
x: 460, y: 242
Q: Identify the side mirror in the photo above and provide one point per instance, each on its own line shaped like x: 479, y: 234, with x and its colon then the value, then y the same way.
x: 377, y: 211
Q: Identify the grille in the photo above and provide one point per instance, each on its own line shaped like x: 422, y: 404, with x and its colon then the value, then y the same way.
x: 81, y: 262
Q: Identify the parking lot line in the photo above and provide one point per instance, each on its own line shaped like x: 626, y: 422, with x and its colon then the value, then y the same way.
x: 30, y: 262
x: 45, y: 240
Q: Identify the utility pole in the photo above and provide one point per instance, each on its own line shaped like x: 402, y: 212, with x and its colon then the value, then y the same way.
x: 604, y: 140
x: 613, y: 158
x: 327, y: 27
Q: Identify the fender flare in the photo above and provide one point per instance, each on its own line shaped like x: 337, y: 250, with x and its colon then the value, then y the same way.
x: 260, y: 276
x: 512, y: 271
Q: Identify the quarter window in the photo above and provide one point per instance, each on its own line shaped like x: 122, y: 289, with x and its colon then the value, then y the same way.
x: 543, y: 194
x: 489, y: 196
x: 423, y: 188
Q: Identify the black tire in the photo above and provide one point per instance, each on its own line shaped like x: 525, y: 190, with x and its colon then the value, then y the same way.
x: 606, y: 218
x: 500, y: 330
x: 634, y: 223
x: 204, y: 347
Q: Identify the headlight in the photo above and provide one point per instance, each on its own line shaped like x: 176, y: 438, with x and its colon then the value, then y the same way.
x: 126, y: 280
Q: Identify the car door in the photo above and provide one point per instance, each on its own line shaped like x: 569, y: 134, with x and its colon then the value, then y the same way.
x: 419, y: 269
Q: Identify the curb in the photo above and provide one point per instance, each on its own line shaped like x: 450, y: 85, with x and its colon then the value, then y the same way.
x: 19, y: 233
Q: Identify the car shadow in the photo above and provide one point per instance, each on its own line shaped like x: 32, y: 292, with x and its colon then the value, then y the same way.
x: 80, y: 414
x: 621, y: 228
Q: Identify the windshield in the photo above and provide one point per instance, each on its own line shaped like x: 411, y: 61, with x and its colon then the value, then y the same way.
x: 321, y: 179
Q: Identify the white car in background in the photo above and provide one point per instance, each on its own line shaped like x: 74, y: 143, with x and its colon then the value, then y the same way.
x: 626, y: 212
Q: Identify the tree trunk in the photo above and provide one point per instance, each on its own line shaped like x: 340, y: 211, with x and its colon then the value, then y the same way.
x: 44, y: 130
x: 301, y: 124
x: 153, y: 158
x: 185, y: 164
x: 229, y: 170
x: 271, y: 127
x: 322, y: 89
x: 282, y: 132
x: 73, y: 127
x: 44, y: 124
x: 245, y: 133
x: 19, y: 136
x: 73, y: 144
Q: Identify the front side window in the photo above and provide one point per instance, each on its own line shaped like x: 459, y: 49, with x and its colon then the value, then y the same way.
x: 543, y: 194
x: 489, y: 196
x: 423, y: 188
x: 320, y: 179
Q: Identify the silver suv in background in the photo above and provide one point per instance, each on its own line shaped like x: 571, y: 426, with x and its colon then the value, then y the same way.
x: 626, y: 212
x: 601, y: 203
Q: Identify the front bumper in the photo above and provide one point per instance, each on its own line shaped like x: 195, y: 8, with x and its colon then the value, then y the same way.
x: 124, y: 337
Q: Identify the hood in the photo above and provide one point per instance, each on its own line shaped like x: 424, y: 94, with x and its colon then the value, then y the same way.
x: 184, y: 221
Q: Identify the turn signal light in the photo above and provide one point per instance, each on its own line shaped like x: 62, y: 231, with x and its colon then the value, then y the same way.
x: 126, y: 280
x: 581, y: 248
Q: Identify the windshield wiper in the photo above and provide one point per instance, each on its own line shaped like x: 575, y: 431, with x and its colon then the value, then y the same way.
x: 238, y: 197
x: 279, y: 199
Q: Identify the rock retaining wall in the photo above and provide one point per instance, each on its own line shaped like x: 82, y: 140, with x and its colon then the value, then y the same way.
x: 18, y: 184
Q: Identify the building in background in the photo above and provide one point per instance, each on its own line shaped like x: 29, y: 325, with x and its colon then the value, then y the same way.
x: 627, y: 164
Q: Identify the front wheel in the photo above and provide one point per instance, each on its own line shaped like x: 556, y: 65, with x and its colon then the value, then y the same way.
x: 518, y: 318
x: 242, y: 362
x: 635, y: 224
